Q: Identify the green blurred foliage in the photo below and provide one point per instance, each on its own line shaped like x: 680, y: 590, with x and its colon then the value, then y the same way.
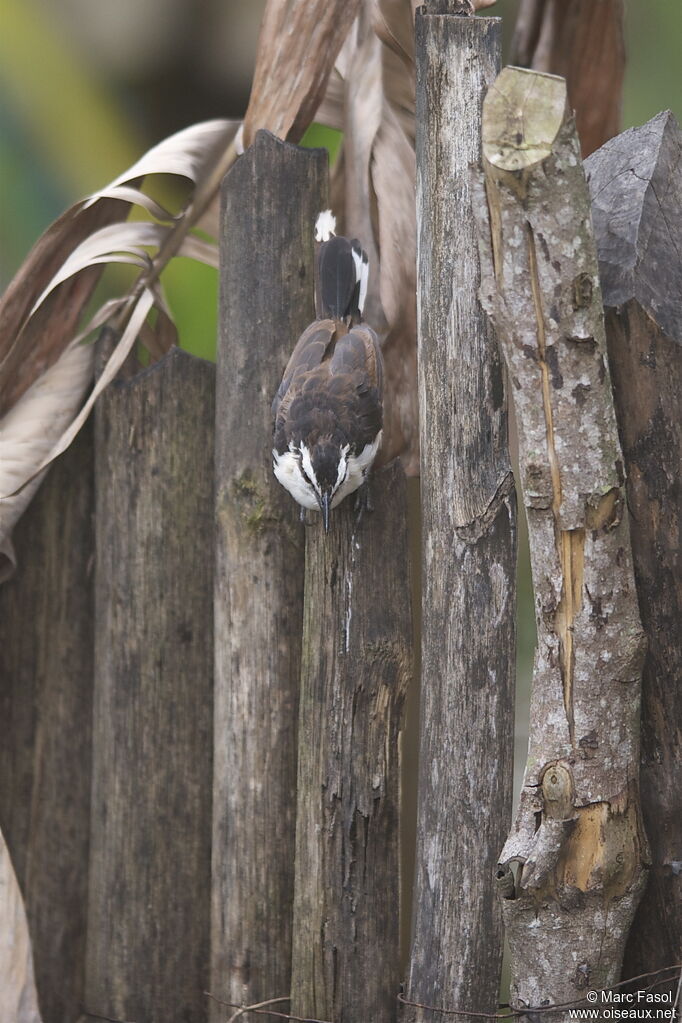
x: 65, y: 130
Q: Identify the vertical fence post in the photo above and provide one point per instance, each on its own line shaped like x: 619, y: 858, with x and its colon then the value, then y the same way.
x: 46, y: 632
x: 468, y: 523
x: 148, y: 916
x: 357, y: 647
x: 636, y: 187
x: 271, y: 198
x: 576, y: 846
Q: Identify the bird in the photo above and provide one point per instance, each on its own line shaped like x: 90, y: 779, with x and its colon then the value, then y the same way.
x: 328, y: 409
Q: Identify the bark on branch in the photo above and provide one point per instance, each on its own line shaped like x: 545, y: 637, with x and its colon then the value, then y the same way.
x: 577, y: 840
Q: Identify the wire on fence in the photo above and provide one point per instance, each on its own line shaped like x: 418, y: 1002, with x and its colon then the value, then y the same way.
x: 259, y: 1008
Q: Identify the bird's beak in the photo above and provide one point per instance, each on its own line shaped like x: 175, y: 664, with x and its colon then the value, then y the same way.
x: 324, y: 508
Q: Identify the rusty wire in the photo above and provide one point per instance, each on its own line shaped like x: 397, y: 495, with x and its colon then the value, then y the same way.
x: 259, y: 1008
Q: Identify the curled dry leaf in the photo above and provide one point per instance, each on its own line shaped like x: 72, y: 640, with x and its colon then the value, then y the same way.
x: 28, y: 432
x: 30, y: 344
x: 118, y: 356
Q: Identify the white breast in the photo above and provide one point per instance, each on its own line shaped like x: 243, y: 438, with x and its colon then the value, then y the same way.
x: 288, y: 472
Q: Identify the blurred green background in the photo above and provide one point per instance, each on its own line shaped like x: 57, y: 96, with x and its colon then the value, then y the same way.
x: 87, y: 85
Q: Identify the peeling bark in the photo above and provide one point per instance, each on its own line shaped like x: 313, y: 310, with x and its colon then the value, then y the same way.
x: 636, y: 184
x: 577, y: 841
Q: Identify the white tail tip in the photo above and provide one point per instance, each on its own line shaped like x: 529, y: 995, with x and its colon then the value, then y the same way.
x: 325, y: 226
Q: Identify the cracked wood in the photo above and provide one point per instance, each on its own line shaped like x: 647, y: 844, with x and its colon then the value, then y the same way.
x: 580, y: 869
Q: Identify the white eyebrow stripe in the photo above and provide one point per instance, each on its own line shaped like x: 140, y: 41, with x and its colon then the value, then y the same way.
x: 343, y: 465
x: 308, y: 467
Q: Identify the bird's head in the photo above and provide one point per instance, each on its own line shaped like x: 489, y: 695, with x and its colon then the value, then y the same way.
x: 324, y: 467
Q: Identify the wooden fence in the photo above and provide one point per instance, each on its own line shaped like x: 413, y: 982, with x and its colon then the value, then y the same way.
x: 202, y: 700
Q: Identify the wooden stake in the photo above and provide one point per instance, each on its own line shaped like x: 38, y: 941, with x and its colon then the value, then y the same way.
x: 148, y: 914
x: 356, y: 666
x: 46, y: 669
x: 636, y: 187
x: 271, y: 199
x: 468, y: 522
x: 577, y: 842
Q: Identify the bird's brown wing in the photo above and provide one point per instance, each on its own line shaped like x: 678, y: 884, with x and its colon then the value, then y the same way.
x: 356, y: 379
x: 359, y: 352
x: 310, y: 350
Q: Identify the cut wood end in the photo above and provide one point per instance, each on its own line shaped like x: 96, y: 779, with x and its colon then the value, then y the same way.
x: 522, y: 115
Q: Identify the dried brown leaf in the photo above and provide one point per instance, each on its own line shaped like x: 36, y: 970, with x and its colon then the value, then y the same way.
x: 298, y: 44
x: 117, y: 358
x: 27, y: 349
x: 582, y: 41
x: 28, y: 432
x: 18, y: 996
x: 34, y: 331
x: 189, y: 153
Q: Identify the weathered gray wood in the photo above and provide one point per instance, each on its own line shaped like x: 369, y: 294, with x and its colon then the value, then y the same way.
x: 636, y: 187
x: 577, y: 839
x: 468, y: 560
x: 148, y: 917
x: 46, y: 636
x: 356, y: 665
x: 271, y: 199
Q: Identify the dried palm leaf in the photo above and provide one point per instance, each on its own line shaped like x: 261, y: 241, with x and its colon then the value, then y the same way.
x: 298, y: 43
x: 28, y: 432
x: 44, y: 372
x: 18, y: 996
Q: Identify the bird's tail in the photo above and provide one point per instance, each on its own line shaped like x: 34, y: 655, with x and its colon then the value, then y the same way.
x: 342, y: 273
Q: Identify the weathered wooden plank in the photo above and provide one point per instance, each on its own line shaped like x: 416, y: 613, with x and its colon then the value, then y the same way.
x: 270, y: 199
x: 636, y: 187
x: 46, y: 662
x: 148, y: 919
x: 468, y: 545
x: 577, y: 842
x: 355, y: 669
